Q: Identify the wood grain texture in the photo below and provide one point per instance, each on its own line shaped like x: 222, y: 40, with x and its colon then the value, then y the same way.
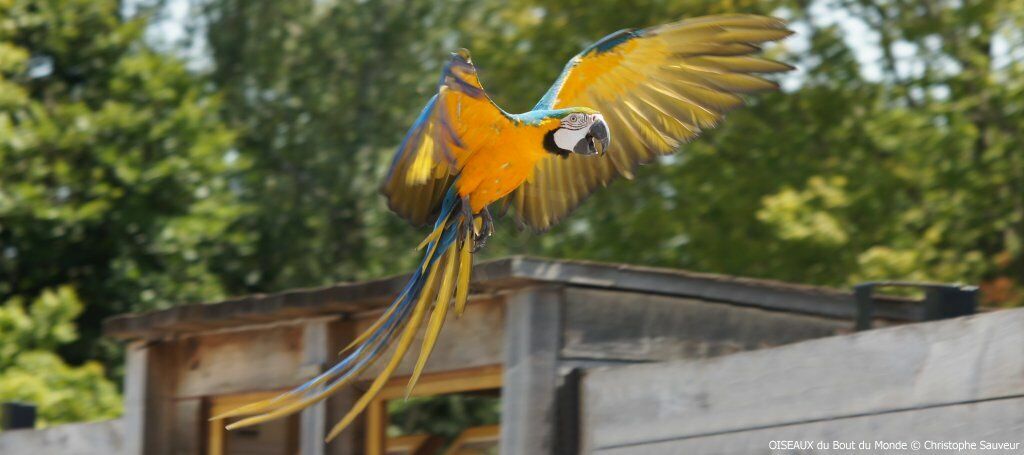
x: 503, y: 275
x: 883, y: 371
x: 257, y: 360
x: 471, y: 341
x: 999, y: 421
x: 613, y: 325
x: 135, y: 375
x: 532, y: 338
x: 316, y: 352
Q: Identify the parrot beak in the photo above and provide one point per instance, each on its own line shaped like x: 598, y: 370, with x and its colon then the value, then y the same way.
x: 599, y: 137
x: 595, y: 142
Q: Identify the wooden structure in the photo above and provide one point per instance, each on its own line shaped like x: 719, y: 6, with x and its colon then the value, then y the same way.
x: 531, y: 326
x: 93, y: 438
x: 959, y: 380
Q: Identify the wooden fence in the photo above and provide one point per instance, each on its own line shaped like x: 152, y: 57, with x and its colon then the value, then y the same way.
x: 93, y: 438
x: 952, y: 381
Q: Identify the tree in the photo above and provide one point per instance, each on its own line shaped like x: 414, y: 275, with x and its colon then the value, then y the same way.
x: 30, y: 371
x: 904, y: 166
x: 114, y: 168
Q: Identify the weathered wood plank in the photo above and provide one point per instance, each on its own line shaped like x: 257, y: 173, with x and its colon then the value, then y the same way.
x: 474, y: 340
x: 350, y: 441
x: 998, y: 421
x: 159, y: 409
x: 187, y: 430
x: 315, y: 353
x: 339, y: 299
x: 601, y: 324
x: 769, y: 294
x: 532, y: 338
x: 135, y: 375
x: 504, y: 275
x: 244, y: 361
x: 928, y: 364
x: 94, y: 438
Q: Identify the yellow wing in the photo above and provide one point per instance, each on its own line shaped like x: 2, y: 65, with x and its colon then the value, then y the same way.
x: 453, y: 125
x: 656, y: 88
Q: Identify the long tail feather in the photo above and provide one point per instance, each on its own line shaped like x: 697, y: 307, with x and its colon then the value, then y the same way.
x: 444, y: 295
x: 465, y: 270
x: 444, y: 271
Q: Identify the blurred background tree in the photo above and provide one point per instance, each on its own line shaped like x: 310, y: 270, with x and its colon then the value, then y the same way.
x: 114, y: 172
x: 31, y: 372
x: 894, y: 152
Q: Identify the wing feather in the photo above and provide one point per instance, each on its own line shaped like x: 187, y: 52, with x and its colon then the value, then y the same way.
x: 454, y: 124
x: 657, y: 88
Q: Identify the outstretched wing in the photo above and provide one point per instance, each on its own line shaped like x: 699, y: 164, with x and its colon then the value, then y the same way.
x: 450, y: 128
x: 656, y: 88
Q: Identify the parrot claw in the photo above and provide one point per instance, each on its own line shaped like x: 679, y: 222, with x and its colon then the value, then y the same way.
x: 484, y: 231
x: 481, y: 225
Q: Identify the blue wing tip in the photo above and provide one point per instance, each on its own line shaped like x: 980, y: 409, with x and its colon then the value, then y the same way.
x: 614, y: 39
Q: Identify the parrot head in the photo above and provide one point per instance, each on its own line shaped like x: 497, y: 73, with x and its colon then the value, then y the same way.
x: 583, y: 132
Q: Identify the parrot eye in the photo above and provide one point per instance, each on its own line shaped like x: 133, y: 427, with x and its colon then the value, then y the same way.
x: 574, y: 121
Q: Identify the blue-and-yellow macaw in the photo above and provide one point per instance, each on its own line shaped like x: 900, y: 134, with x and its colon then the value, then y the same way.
x: 633, y: 95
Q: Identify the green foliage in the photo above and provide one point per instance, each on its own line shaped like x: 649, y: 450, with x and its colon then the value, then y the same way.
x: 46, y: 324
x: 142, y: 184
x: 912, y: 174
x: 113, y: 166
x: 905, y: 166
x: 446, y: 415
x: 114, y: 180
x: 62, y: 393
x: 31, y: 372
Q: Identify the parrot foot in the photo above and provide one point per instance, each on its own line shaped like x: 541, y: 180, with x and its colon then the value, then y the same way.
x: 484, y: 231
x: 482, y: 225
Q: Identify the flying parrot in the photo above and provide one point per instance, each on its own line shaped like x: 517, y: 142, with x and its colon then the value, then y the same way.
x: 624, y: 100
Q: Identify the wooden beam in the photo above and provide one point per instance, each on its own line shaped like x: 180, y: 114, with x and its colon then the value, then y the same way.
x: 216, y: 434
x: 927, y: 365
x: 768, y: 294
x: 376, y: 427
x: 532, y: 341
x: 242, y: 361
x: 463, y: 444
x: 316, y: 352
x: 503, y: 275
x: 468, y: 342
x: 614, y: 325
x: 135, y: 385
x: 997, y: 421
x: 487, y: 377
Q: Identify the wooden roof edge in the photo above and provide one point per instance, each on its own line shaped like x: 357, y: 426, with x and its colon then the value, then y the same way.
x: 500, y: 275
x: 756, y: 292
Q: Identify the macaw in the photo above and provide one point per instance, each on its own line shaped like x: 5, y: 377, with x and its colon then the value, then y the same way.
x: 648, y: 89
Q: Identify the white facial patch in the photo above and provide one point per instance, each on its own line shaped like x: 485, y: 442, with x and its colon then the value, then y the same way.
x: 567, y: 139
x: 572, y: 130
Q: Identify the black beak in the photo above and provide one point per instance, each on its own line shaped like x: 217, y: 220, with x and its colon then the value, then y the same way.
x: 602, y: 138
x: 596, y: 141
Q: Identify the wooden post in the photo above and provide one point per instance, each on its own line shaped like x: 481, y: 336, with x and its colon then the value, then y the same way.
x: 313, y: 420
x: 151, y: 413
x: 135, y: 379
x: 376, y: 428
x: 532, y: 340
x: 350, y: 441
